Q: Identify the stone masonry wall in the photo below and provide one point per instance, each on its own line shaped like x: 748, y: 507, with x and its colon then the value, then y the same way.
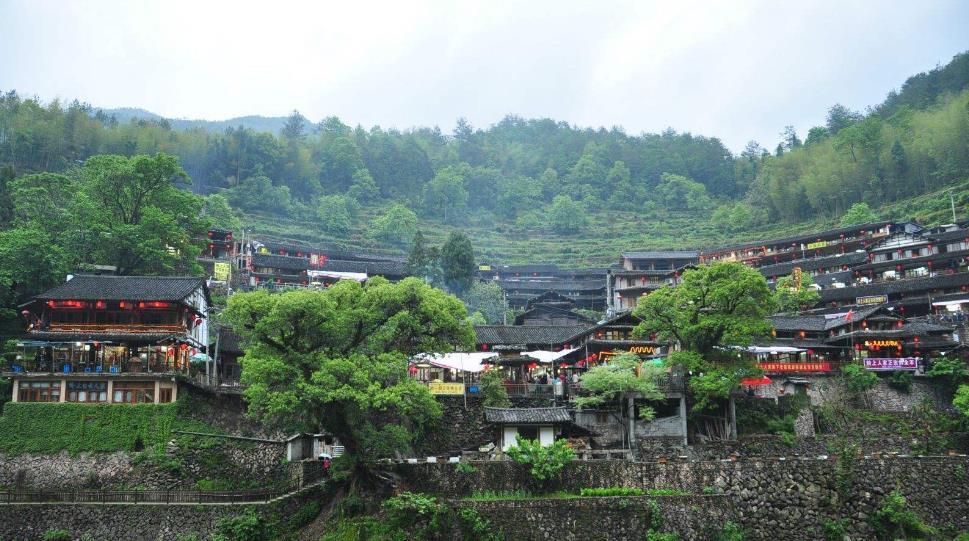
x: 136, y: 522
x: 606, y: 519
x: 774, y: 499
x: 463, y: 425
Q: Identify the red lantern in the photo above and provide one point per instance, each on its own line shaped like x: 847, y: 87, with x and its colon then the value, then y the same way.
x: 25, y: 314
x: 858, y: 347
x: 183, y: 347
x: 563, y: 365
x: 413, y: 369
x: 810, y: 352
x: 484, y: 347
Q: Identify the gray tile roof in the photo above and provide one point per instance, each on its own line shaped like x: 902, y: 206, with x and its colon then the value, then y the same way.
x: 125, y: 288
x: 911, y: 285
x: 282, y: 262
x: 380, y: 268
x: 782, y: 269
x: 663, y: 254
x: 808, y: 237
x: 527, y: 415
x: 523, y: 335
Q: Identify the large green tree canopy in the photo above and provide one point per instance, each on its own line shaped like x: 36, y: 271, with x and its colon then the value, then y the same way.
x: 337, y: 359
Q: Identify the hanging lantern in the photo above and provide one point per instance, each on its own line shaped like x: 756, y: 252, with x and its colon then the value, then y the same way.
x: 858, y: 347
x: 810, y: 352
x: 413, y: 369
x: 25, y: 314
x: 484, y: 347
x: 183, y: 346
x: 563, y: 365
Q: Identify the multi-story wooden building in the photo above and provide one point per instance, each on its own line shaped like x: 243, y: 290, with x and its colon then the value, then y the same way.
x: 111, y: 339
x: 641, y: 273
x: 522, y: 283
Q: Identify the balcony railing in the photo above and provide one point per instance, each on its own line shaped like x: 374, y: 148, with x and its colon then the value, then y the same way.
x: 127, y: 367
x: 120, y: 328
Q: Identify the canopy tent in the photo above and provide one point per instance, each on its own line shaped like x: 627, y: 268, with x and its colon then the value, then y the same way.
x: 356, y: 276
x: 462, y: 362
x: 951, y: 303
x: 547, y: 357
x: 773, y: 349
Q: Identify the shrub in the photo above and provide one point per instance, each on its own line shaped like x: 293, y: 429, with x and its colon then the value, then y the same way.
x: 901, y: 380
x: 546, y: 461
x: 464, y: 467
x: 408, y: 508
x: 858, y: 380
x: 731, y: 532
x: 57, y: 535
x: 893, y: 521
x: 493, y: 390
x: 611, y: 491
x: 248, y: 526
x: 653, y: 535
x: 833, y: 530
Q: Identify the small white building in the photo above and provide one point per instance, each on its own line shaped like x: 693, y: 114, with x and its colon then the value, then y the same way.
x: 542, y: 424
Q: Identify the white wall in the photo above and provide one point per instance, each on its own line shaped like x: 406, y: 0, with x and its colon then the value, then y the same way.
x: 546, y: 435
x: 508, y: 437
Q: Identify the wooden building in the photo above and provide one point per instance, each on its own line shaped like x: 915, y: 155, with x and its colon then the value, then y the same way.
x: 641, y: 273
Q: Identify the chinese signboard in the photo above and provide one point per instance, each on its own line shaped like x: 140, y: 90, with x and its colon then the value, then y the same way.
x: 883, y: 343
x: 903, y: 363
x: 818, y: 244
x: 648, y: 350
x: 446, y: 388
x: 222, y: 271
x: 871, y: 299
x: 795, y: 367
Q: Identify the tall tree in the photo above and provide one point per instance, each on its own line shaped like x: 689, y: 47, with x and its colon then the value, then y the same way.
x: 457, y: 262
x: 336, y: 359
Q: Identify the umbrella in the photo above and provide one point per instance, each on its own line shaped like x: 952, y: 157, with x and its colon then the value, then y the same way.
x: 200, y: 357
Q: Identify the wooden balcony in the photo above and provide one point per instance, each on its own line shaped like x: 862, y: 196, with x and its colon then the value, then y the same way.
x: 116, y: 328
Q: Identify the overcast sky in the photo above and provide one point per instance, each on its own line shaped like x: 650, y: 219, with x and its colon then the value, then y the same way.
x: 734, y: 70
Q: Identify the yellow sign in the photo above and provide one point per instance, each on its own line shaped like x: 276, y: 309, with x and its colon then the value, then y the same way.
x: 797, y: 279
x: 883, y: 343
x: 484, y: 267
x: 871, y: 299
x: 818, y: 244
x: 446, y: 388
x: 222, y: 271
x: 648, y: 350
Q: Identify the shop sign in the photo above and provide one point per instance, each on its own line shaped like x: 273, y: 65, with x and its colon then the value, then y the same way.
x: 648, y: 350
x: 222, y: 271
x: 903, y: 363
x: 795, y: 367
x: 871, y: 299
x: 883, y: 343
x: 446, y: 388
x: 818, y: 244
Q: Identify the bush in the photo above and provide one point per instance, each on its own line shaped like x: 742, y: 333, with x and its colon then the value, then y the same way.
x: 611, y: 491
x: 858, y: 380
x: 901, y: 380
x: 834, y: 530
x: 57, y: 535
x: 893, y: 521
x: 407, y: 508
x: 546, y: 461
x: 464, y: 467
x: 493, y: 390
x: 731, y: 532
x: 248, y: 526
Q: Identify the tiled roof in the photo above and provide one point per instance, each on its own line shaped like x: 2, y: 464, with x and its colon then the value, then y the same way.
x: 798, y: 323
x: 380, y: 268
x: 527, y: 415
x: 554, y: 285
x: 799, y: 238
x: 911, y: 285
x: 913, y: 260
x: 72, y: 336
x: 523, y: 335
x: 229, y: 342
x: 663, y: 254
x: 125, y: 288
x: 283, y: 262
x: 949, y: 236
x: 781, y: 269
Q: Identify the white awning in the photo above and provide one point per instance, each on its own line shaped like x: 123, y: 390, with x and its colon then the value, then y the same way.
x: 463, y: 362
x: 950, y: 303
x: 548, y: 356
x: 774, y: 349
x: 356, y: 276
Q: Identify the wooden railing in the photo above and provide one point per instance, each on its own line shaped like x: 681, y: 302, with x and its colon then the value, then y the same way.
x: 126, y: 328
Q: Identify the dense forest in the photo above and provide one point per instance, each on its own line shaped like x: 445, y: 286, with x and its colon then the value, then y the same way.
x: 525, y: 174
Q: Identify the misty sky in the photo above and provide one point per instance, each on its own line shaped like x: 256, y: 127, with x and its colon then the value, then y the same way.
x: 738, y: 72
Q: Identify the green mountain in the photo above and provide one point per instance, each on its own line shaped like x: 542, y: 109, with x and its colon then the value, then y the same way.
x: 531, y: 190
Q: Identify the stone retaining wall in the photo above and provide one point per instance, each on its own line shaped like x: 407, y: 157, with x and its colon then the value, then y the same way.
x: 606, y: 519
x: 774, y: 499
x: 136, y: 522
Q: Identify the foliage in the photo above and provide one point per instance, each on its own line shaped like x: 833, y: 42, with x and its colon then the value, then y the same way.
x: 57, y: 535
x: 464, y: 467
x: 624, y: 376
x: 493, y: 390
x: 566, y: 216
x: 961, y: 400
x: 679, y: 192
x: 498, y: 495
x: 396, y: 226
x: 249, y: 526
x: 950, y: 369
x: 791, y: 297
x: 457, y: 262
x: 893, y: 521
x: 336, y: 359
x: 35, y: 427
x: 901, y: 380
x: 487, y: 298
x: 423, y: 261
x: 545, y: 462
x: 714, y: 305
x: 858, y: 380
x: 610, y: 491
x: 653, y: 535
x: 335, y: 213
x: 834, y: 530
x: 407, y: 507
x: 859, y: 213
x: 731, y: 532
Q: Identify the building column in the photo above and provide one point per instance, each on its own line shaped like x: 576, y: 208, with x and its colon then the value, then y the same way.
x: 110, y: 391
x: 63, y: 390
x: 157, y: 388
x: 174, y: 390
x: 16, y: 390
x: 631, y: 409
x: 683, y: 425
x: 733, y: 418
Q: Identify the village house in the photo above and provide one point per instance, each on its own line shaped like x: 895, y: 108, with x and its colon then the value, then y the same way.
x: 522, y: 283
x: 111, y: 339
x: 641, y: 273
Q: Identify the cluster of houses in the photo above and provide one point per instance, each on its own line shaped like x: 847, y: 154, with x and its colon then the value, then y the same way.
x: 892, y: 295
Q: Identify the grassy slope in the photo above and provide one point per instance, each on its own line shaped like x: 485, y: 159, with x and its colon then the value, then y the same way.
x: 609, y: 232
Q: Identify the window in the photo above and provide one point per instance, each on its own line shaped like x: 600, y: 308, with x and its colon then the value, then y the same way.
x: 134, y: 392
x: 39, y: 391
x: 165, y: 395
x: 87, y: 391
x: 528, y: 432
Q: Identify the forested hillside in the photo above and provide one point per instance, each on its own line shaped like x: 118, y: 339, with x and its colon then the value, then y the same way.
x: 534, y: 189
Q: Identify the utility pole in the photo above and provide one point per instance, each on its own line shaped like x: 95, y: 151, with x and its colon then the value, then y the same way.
x: 952, y: 201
